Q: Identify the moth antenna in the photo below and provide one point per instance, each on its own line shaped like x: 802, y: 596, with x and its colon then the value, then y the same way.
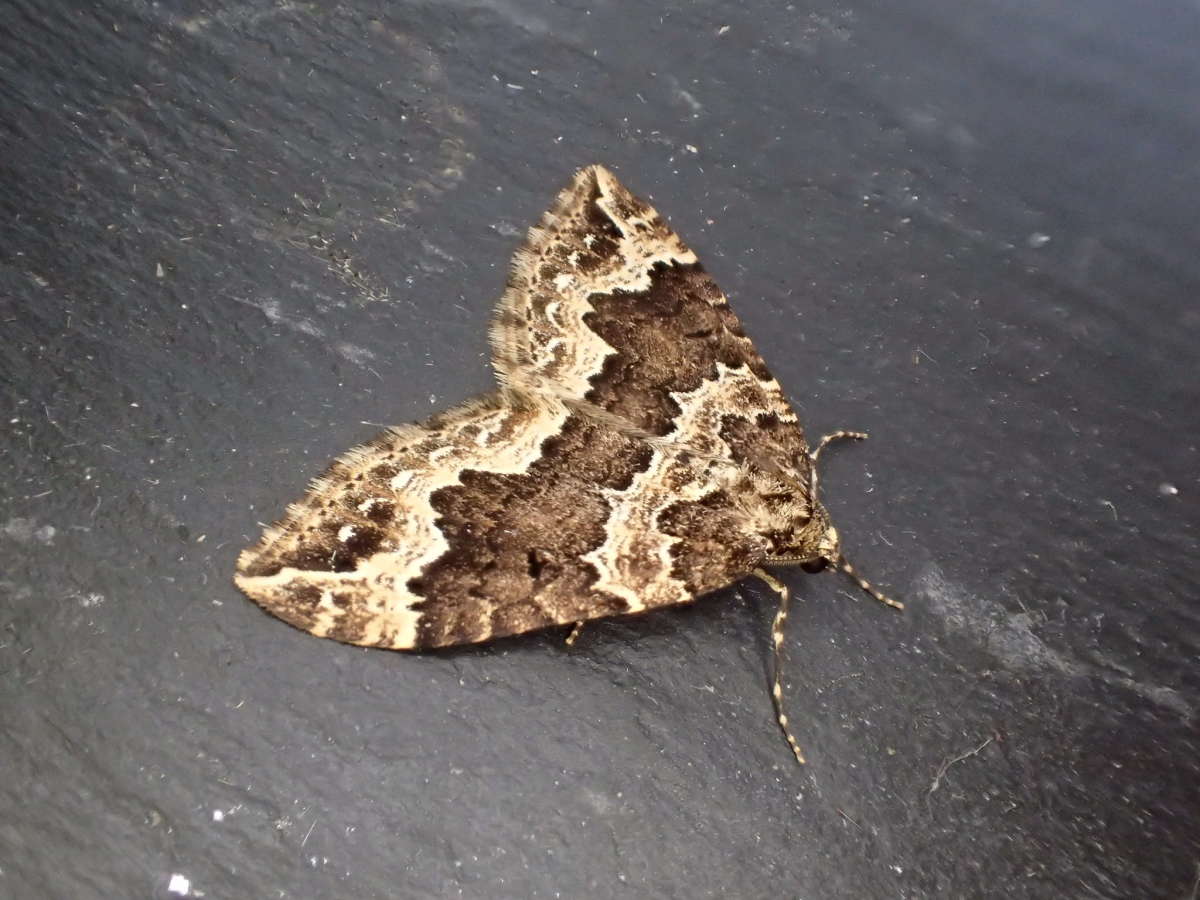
x: 827, y: 439
x: 837, y: 435
x: 844, y: 565
x: 777, y: 664
x: 841, y: 562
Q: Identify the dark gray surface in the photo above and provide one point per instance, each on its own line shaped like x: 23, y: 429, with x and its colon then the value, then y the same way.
x: 232, y: 237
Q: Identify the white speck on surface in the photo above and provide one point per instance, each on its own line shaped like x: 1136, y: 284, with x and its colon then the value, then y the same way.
x: 179, y: 885
x: 432, y: 399
x: 90, y: 600
x: 218, y: 815
x: 359, y: 356
x: 158, y: 270
x: 1014, y: 638
x: 345, y: 533
x: 1037, y: 240
x: 1167, y: 489
x: 691, y: 148
x: 274, y: 312
x: 688, y: 98
x: 25, y: 531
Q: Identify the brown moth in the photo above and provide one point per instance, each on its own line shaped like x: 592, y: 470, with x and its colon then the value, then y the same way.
x: 636, y: 454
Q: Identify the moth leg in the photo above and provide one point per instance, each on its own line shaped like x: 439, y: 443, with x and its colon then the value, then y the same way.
x: 574, y: 635
x: 777, y: 665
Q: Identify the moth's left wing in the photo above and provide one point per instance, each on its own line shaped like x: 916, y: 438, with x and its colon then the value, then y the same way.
x: 497, y: 518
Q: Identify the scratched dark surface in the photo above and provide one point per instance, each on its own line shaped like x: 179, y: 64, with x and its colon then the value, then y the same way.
x: 233, y: 236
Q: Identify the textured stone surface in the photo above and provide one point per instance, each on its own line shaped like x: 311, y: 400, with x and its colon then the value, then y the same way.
x: 236, y: 240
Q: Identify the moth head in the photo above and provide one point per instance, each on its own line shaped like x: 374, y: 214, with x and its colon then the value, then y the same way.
x: 815, y: 544
x: 829, y: 550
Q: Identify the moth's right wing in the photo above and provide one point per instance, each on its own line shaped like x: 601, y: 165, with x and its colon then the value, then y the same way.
x: 608, y: 309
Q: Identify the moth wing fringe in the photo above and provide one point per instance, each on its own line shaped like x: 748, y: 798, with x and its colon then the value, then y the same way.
x: 505, y: 346
x: 393, y: 437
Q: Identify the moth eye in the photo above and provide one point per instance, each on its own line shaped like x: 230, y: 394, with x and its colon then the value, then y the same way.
x: 813, y: 566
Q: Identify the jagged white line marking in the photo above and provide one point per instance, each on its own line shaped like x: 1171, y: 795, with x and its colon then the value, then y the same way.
x: 414, y: 539
x: 576, y: 353
x: 632, y: 535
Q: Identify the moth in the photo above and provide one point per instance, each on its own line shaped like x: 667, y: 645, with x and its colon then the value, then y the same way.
x: 636, y: 454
